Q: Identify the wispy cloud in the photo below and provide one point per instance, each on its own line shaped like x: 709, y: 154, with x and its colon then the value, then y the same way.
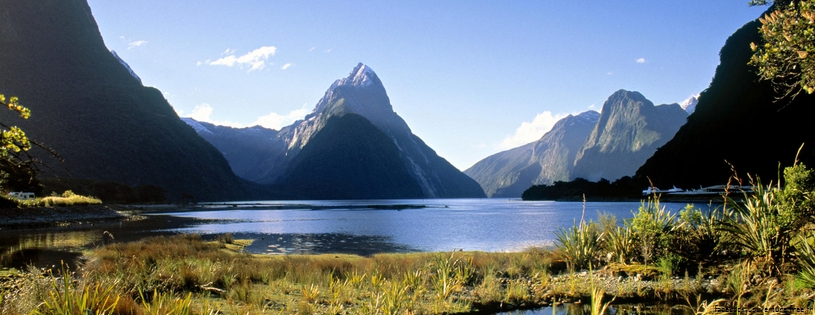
x: 286, y: 66
x: 641, y: 60
x: 312, y: 49
x: 531, y: 131
x: 276, y: 121
x: 328, y: 50
x: 255, y: 60
x: 135, y: 44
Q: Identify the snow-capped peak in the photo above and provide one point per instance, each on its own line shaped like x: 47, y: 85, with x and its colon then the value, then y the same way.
x: 689, y: 105
x: 121, y: 61
x: 588, y: 116
x: 362, y: 76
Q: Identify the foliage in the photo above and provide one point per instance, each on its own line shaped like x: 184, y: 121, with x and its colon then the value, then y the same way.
x: 17, y: 168
x: 765, y: 224
x: 702, y: 240
x: 580, y: 244
x: 652, y: 226
x: 768, y: 2
x: 787, y: 57
x: 574, y: 190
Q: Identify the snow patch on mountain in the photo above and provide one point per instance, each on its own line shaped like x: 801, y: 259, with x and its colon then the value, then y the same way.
x: 689, y: 105
x: 195, y: 125
x: 588, y: 116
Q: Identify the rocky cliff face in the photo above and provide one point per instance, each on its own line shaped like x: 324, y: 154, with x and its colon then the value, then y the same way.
x: 507, y: 174
x: 88, y: 107
x: 737, y: 122
x: 628, y: 132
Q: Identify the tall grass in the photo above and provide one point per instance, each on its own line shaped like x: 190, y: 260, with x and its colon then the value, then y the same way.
x: 65, y: 298
x: 579, y: 244
x: 67, y: 199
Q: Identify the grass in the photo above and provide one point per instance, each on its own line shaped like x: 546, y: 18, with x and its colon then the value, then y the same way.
x: 187, y: 275
x: 757, y: 253
x: 67, y: 199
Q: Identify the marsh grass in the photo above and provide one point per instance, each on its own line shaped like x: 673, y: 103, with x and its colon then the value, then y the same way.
x: 67, y: 199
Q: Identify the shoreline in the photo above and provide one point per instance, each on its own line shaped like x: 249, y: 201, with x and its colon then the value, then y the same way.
x: 15, y: 218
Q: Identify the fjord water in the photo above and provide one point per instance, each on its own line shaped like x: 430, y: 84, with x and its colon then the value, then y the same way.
x: 356, y: 227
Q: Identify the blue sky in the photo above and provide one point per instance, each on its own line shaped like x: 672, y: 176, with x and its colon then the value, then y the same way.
x: 471, y: 78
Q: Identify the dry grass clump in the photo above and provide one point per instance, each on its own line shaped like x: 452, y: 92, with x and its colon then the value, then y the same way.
x: 67, y: 199
x: 186, y: 275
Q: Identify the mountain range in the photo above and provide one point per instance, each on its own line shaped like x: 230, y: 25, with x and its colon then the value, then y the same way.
x: 591, y: 145
x: 306, y: 160
x: 88, y: 107
x: 550, y: 159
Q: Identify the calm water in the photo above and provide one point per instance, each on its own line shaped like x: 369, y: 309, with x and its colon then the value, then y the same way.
x: 358, y: 227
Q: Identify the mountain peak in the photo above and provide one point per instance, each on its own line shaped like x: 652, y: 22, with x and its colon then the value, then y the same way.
x: 361, y: 76
x: 689, y: 105
x: 589, y: 115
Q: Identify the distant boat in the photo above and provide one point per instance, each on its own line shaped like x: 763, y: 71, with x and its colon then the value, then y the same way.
x: 710, y: 190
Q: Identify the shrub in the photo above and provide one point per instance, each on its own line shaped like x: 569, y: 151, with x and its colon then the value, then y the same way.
x: 580, y: 244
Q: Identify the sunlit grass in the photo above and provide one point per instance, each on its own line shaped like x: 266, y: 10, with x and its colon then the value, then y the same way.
x: 67, y: 199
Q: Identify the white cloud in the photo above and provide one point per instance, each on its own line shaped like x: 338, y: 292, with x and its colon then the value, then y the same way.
x: 328, y: 50
x: 255, y: 60
x: 276, y: 121
x: 286, y: 66
x: 531, y: 131
x: 592, y: 106
x: 312, y: 49
x: 229, y: 52
x: 273, y: 120
x: 203, y: 112
x: 135, y: 44
x: 609, y: 73
x: 641, y: 60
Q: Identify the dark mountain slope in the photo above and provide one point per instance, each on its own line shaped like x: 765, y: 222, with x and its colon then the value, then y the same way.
x: 363, y: 93
x: 349, y: 158
x: 93, y: 112
x: 507, y: 174
x: 253, y: 153
x: 736, y: 120
x: 628, y: 132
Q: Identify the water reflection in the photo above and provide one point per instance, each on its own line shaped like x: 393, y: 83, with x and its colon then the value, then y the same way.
x: 313, y: 227
x: 322, y: 243
x: 48, y: 246
x: 621, y: 309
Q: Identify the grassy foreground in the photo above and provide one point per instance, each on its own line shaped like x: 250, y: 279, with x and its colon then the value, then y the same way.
x: 185, y: 275
x: 756, y: 255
